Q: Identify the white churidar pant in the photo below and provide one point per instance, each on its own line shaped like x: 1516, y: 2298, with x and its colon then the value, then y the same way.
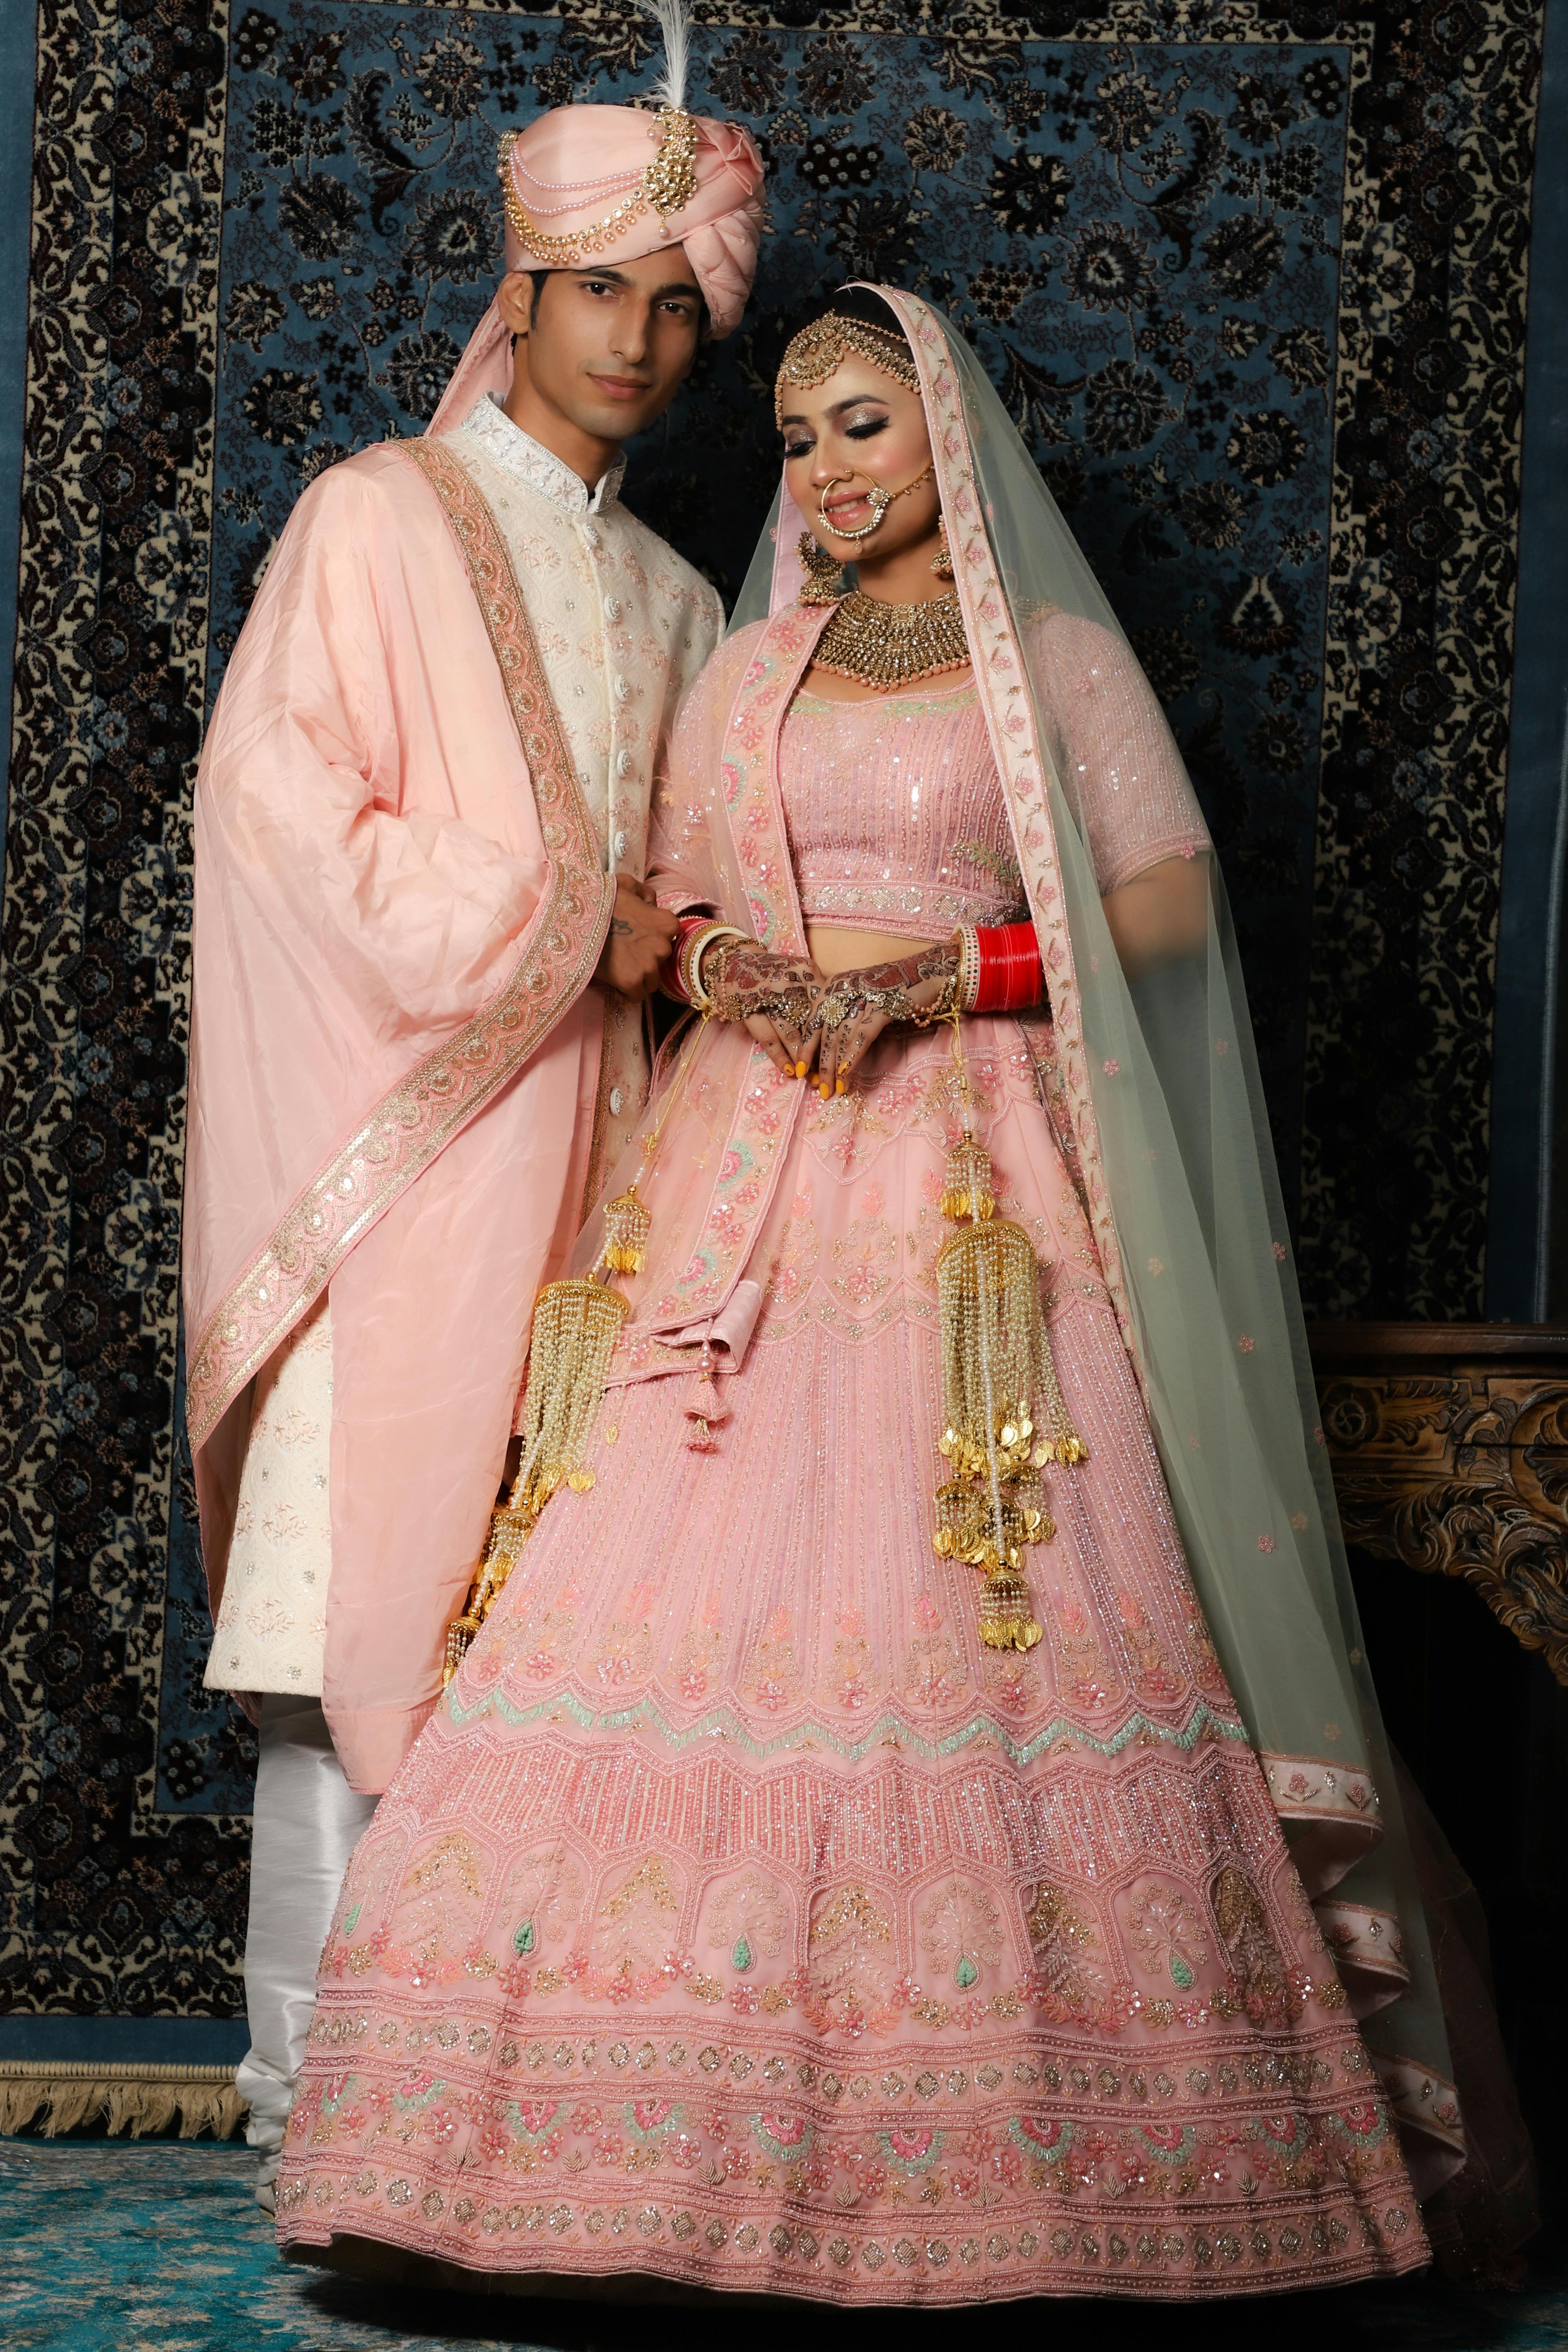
x: 308, y: 1822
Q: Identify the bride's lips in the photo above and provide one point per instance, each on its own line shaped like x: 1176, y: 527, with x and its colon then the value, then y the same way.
x: 848, y: 509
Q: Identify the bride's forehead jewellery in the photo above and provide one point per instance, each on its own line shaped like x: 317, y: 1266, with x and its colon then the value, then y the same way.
x: 820, y: 349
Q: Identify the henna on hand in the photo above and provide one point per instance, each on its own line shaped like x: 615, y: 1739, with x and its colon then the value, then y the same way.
x: 854, y: 1009
x: 890, y: 989
x: 745, y: 979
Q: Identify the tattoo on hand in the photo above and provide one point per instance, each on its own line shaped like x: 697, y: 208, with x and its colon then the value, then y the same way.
x: 622, y: 930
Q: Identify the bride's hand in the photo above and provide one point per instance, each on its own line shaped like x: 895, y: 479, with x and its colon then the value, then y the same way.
x: 774, y: 995
x: 782, y: 1046
x: 916, y: 984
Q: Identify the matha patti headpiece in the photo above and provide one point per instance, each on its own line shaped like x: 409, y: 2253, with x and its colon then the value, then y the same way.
x: 820, y: 349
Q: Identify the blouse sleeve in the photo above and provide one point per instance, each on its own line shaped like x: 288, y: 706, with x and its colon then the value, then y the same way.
x: 1115, y: 755
x: 680, y: 862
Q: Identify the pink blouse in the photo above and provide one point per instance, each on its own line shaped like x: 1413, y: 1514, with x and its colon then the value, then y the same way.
x: 896, y: 816
x: 895, y: 813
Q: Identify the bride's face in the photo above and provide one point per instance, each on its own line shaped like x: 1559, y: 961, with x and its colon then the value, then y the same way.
x: 857, y: 432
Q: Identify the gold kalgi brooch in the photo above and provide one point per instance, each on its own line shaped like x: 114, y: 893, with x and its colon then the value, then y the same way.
x: 666, y: 186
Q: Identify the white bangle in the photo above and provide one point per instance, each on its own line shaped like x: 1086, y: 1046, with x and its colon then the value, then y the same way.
x: 698, y: 948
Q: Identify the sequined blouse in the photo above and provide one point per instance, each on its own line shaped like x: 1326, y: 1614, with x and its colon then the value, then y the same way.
x: 896, y: 815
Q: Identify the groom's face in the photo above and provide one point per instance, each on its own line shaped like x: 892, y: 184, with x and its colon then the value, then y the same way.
x: 609, y: 348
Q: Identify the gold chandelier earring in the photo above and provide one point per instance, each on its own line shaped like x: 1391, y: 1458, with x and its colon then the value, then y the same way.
x: 942, y: 561
x: 824, y: 580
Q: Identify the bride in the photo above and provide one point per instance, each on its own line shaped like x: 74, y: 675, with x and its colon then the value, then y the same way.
x: 914, y: 1826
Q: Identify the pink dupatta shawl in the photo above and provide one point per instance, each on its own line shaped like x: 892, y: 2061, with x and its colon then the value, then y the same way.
x: 396, y: 1070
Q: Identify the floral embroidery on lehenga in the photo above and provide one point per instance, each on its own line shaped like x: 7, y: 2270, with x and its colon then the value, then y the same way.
x: 749, y: 1920
x: 784, y: 1939
x: 1166, y: 1932
x: 960, y: 1932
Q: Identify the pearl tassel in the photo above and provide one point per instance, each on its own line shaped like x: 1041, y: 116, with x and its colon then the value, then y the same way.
x: 707, y: 1411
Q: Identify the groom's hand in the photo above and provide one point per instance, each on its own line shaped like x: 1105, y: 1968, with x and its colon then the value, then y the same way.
x: 641, y: 938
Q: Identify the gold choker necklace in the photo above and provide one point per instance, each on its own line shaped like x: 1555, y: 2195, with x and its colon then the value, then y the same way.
x: 892, y: 644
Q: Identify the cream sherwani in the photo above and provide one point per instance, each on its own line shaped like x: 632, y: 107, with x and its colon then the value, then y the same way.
x: 619, y: 618
x: 353, y: 811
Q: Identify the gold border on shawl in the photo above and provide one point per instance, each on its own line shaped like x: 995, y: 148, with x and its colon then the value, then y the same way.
x: 417, y: 1118
x: 594, y: 1177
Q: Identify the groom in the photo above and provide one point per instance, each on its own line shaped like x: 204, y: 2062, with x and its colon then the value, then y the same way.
x: 420, y: 941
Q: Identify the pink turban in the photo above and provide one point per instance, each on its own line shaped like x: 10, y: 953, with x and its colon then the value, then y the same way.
x: 575, y: 189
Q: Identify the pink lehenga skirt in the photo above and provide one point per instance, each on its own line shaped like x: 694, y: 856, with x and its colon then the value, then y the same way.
x: 741, y: 1922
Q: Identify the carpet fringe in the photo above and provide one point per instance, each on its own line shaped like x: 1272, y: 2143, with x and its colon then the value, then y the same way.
x: 58, y: 2096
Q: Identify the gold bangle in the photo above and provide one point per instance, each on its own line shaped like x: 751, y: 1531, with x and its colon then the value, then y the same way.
x: 966, y: 939
x: 696, y: 948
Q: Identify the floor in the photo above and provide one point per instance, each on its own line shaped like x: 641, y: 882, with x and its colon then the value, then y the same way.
x: 107, y: 2246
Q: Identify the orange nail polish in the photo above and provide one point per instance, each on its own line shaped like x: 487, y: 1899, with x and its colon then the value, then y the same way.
x: 800, y: 1069
x: 840, y: 1086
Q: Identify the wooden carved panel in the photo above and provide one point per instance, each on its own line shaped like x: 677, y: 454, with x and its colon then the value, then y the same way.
x: 1449, y: 1445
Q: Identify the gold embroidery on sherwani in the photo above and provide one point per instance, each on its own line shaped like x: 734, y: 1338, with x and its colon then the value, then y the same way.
x: 419, y: 1115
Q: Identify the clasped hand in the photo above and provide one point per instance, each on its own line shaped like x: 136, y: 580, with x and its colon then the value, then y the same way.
x: 802, y: 1018
x: 637, y: 948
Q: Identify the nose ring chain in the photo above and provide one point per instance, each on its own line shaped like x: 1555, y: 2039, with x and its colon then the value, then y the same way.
x: 880, y: 501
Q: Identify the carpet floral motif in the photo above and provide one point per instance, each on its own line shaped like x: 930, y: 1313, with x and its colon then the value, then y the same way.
x: 1252, y: 286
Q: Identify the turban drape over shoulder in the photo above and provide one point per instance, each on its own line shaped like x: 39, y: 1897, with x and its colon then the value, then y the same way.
x: 610, y: 183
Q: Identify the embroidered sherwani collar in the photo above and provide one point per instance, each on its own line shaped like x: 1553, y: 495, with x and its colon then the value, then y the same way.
x: 526, y: 460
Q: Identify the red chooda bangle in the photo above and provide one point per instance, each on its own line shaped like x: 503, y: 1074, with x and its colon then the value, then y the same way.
x: 672, y: 978
x: 1011, y: 977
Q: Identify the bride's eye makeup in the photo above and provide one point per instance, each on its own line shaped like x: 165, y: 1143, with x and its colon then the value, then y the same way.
x: 863, y: 428
x: 797, y: 448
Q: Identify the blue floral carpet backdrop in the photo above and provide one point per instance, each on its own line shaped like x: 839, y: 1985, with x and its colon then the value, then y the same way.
x: 1253, y: 286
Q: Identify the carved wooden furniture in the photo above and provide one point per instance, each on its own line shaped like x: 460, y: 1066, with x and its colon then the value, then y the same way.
x: 1449, y: 1445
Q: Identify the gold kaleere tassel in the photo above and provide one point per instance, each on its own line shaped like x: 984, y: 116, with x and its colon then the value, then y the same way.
x: 995, y: 1360
x: 626, y: 1228
x: 969, y: 1185
x: 576, y: 1326
x: 510, y: 1525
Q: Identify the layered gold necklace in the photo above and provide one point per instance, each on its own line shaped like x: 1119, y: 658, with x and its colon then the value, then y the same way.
x: 885, y: 646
